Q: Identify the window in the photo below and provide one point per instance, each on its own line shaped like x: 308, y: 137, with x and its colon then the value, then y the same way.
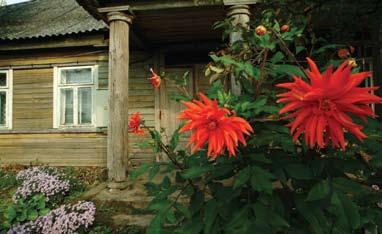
x: 5, y: 99
x: 74, y: 101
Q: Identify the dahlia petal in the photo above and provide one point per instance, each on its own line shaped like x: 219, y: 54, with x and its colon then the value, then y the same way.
x: 358, y: 78
x: 291, y: 106
x: 321, y: 126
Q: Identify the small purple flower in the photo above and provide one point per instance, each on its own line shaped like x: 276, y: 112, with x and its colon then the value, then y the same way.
x: 47, y: 181
x: 65, y: 219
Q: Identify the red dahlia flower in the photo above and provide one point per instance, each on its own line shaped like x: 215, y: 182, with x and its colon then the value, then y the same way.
x: 135, y: 123
x: 213, y: 124
x: 321, y: 108
x: 155, y: 79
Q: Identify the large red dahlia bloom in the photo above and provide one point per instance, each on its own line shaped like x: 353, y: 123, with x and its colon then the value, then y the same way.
x: 321, y: 109
x: 135, y: 124
x: 213, y: 124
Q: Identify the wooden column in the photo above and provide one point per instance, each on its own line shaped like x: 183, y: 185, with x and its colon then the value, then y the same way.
x: 117, y: 143
x: 240, y: 16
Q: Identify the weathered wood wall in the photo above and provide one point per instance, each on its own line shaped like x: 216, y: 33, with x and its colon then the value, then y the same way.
x: 33, y: 139
x: 33, y: 99
x: 58, y: 149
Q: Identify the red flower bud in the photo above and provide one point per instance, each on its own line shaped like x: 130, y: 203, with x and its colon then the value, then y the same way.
x: 260, y: 30
x: 284, y: 28
x: 155, y: 79
x: 343, y: 53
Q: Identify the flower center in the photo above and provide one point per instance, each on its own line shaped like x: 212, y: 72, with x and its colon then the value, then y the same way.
x: 326, y: 105
x: 212, y: 125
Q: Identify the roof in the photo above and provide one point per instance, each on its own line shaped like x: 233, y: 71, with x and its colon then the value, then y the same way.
x: 45, y: 18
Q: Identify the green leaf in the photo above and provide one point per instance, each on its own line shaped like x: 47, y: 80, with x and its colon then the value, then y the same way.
x: 183, y: 210
x: 259, y: 157
x: 210, y: 216
x: 11, y: 213
x: 41, y: 204
x: 154, y: 171
x: 288, y: 70
x: 155, y: 226
x: 313, y: 214
x: 158, y: 204
x: 251, y: 70
x: 32, y: 214
x: 171, y: 216
x: 319, y: 191
x: 197, y: 202
x: 237, y: 218
x: 174, y: 140
x: 265, y: 42
x: 165, y: 183
x: 261, y: 180
x: 242, y: 177
x: 347, y: 211
x: 348, y: 186
x: 298, y: 171
x: 277, y: 57
x: 327, y: 47
x: 299, y: 49
x: 195, y: 172
x: 225, y: 59
x: 140, y: 171
x: 44, y: 211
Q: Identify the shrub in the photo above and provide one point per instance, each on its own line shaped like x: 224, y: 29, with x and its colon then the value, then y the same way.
x: 25, y: 210
x: 65, y: 219
x: 317, y: 181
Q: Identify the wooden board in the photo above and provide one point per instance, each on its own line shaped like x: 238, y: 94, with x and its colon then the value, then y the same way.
x: 79, y: 149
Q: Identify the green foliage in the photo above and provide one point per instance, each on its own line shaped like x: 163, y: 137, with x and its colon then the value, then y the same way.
x: 25, y: 210
x: 273, y: 185
x: 7, y: 181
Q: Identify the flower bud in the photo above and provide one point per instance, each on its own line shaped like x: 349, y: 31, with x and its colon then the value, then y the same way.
x: 284, y: 28
x: 260, y: 30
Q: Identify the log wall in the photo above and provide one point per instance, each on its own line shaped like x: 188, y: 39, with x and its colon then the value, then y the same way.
x: 33, y: 139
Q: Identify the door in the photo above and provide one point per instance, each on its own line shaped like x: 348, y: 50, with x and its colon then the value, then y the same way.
x: 170, y: 109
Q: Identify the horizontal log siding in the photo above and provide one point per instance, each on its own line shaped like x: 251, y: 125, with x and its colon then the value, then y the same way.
x: 80, y: 149
x: 33, y: 99
x: 141, y: 99
x: 33, y: 111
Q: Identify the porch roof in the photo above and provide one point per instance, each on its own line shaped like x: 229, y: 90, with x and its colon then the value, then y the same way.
x: 164, y: 22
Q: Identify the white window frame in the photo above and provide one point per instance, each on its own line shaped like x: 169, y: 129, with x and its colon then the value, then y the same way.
x: 57, y: 86
x: 8, y: 89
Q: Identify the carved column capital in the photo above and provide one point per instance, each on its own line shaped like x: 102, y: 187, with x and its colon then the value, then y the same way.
x: 238, y: 10
x: 119, y: 16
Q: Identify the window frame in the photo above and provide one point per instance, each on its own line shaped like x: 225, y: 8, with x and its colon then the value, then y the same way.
x: 8, y: 89
x: 58, y: 86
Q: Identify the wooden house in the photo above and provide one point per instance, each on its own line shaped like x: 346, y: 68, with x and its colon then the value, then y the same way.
x: 71, y: 72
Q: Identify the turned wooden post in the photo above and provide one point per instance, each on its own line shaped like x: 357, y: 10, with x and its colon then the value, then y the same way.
x: 117, y: 142
x: 239, y: 15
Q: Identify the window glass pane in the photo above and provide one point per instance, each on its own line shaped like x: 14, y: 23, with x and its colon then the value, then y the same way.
x: 84, y: 105
x: 76, y: 76
x: 3, y: 106
x: 3, y: 79
x: 66, y: 106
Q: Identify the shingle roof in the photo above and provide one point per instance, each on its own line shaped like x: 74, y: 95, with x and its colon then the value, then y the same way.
x: 43, y: 18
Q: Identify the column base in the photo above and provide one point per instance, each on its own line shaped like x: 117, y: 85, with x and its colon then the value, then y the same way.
x: 117, y: 186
